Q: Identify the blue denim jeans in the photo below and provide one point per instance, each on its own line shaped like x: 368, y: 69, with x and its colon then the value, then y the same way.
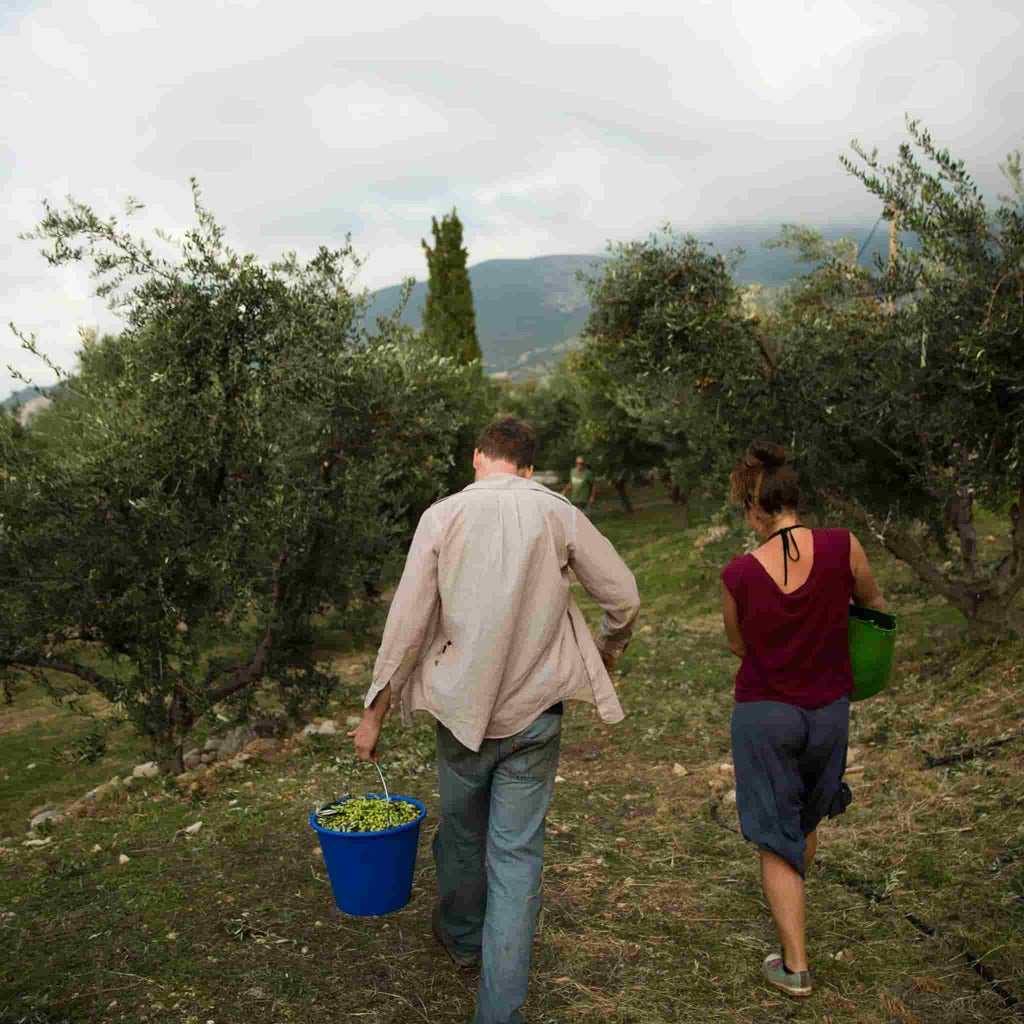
x: 489, y: 853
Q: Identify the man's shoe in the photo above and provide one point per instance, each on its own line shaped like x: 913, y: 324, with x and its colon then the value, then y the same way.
x: 463, y: 960
x: 793, y: 983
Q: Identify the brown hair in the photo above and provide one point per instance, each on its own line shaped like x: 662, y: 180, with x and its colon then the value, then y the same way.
x: 765, y: 477
x: 510, y: 439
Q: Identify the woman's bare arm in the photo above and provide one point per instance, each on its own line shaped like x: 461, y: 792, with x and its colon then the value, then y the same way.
x: 865, y: 587
x: 730, y: 617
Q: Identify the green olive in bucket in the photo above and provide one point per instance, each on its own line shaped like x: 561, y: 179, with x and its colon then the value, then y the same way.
x: 366, y: 814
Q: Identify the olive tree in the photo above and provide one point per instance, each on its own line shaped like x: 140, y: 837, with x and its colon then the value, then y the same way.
x: 903, y: 387
x: 667, y: 345
x: 235, y: 462
x: 550, y: 403
x: 617, y: 442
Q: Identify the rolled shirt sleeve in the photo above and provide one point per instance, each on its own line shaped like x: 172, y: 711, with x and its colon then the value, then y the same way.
x: 608, y: 580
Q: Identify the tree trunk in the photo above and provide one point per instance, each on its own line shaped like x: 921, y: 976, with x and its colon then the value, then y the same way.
x: 620, y: 489
x: 172, y: 759
x: 989, y: 602
x: 9, y: 687
x: 959, y: 516
x: 993, y: 618
x: 681, y: 499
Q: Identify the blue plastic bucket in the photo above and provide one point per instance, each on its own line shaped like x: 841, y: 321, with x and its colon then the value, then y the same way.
x: 371, y: 872
x: 872, y: 636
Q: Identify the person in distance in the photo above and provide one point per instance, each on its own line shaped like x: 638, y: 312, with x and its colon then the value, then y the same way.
x: 581, y: 489
x: 785, y: 611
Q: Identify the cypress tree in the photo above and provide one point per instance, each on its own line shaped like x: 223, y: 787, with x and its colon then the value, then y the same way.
x: 449, y: 320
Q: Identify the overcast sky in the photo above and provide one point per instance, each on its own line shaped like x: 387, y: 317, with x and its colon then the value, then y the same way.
x: 552, y: 127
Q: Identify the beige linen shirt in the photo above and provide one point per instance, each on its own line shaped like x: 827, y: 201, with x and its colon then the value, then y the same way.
x: 483, y: 633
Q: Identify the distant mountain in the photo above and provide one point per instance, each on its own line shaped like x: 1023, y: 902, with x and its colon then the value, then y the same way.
x: 530, y: 312
x: 525, y: 309
x: 777, y: 266
x: 25, y: 395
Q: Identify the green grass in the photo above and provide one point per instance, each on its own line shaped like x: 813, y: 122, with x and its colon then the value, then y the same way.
x: 37, y: 768
x: 653, y: 909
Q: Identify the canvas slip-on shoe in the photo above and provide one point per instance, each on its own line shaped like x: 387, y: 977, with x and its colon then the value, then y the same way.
x: 793, y: 983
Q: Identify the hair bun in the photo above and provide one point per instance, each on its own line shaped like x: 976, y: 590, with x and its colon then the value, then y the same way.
x: 768, y: 454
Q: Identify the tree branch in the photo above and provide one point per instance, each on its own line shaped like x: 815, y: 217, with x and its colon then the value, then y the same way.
x: 1008, y: 577
x: 995, y: 293
x: 71, y: 668
x: 766, y: 353
x: 906, y: 548
x: 241, y: 676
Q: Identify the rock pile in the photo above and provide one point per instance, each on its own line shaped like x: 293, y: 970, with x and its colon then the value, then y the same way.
x: 232, y: 749
x: 220, y: 748
x: 722, y: 783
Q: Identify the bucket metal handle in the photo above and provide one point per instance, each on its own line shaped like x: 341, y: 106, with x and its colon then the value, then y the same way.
x: 387, y: 797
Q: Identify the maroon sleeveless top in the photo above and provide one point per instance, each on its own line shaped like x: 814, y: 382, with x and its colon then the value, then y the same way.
x: 797, y: 646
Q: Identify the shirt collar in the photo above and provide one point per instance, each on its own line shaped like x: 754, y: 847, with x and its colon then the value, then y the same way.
x: 502, y: 481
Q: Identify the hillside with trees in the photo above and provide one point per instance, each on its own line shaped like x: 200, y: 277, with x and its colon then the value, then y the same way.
x: 531, y: 312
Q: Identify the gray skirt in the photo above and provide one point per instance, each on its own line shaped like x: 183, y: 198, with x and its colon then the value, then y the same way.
x: 789, y: 772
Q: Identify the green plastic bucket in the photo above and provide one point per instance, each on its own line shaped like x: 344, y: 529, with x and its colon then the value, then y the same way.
x: 872, y: 646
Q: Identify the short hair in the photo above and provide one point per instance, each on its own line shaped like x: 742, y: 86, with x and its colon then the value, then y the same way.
x: 511, y: 439
x: 765, y: 477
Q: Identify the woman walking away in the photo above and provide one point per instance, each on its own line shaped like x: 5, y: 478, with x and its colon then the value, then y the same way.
x: 785, y: 608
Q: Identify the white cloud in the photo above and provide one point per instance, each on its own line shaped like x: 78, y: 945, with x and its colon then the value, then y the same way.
x: 552, y: 126
x: 796, y: 42
x: 364, y: 115
x: 56, y: 52
x: 121, y: 17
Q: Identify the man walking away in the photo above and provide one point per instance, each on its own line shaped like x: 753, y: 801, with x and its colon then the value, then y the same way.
x: 484, y: 635
x: 581, y: 488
